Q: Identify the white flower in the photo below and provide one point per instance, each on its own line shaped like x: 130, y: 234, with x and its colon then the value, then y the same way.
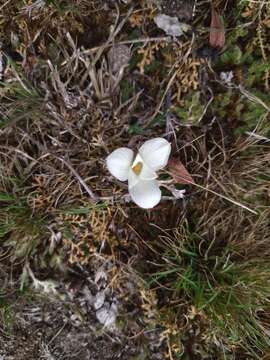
x: 140, y: 171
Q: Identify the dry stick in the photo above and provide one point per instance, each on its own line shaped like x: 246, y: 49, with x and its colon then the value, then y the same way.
x: 257, y: 136
x: 78, y: 177
x: 169, y: 348
x: 129, y: 42
x: 57, y: 334
x: 220, y: 195
x: 253, y: 97
x: 5, y: 4
x: 207, y: 105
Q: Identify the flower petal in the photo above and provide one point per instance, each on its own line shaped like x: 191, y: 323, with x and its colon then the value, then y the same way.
x: 119, y: 163
x: 147, y: 173
x: 155, y: 153
x: 133, y: 179
x: 145, y: 193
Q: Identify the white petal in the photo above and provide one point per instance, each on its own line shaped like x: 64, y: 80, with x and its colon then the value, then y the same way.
x: 147, y: 173
x: 119, y: 163
x: 145, y: 193
x: 133, y: 179
x: 155, y: 153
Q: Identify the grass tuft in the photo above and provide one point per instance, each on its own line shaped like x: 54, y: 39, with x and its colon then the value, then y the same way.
x: 20, y: 229
x: 228, y: 290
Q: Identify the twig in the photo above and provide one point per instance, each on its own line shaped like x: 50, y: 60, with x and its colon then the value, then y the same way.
x: 207, y: 105
x: 78, y: 177
x: 57, y: 334
x: 221, y: 196
x: 253, y: 97
x: 128, y: 42
x: 257, y: 136
x: 5, y: 4
x: 169, y: 348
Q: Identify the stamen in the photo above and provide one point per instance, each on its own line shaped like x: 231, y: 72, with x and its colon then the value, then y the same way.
x: 137, y: 168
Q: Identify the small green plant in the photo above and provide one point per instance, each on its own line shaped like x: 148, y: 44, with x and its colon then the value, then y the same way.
x: 20, y: 99
x: 247, y: 114
x: 192, y: 109
x: 6, y: 316
x: 63, y: 6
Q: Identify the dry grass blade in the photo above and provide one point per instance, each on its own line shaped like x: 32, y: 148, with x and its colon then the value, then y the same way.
x: 78, y: 177
x: 5, y: 4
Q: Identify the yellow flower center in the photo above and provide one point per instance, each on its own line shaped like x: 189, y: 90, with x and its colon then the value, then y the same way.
x: 137, y: 168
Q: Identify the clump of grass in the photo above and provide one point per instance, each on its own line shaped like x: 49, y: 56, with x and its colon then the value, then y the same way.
x: 216, y: 263
x: 228, y: 290
x: 6, y: 317
x: 20, y: 229
x: 20, y: 100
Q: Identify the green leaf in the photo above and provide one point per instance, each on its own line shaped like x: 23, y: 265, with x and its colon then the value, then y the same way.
x: 232, y: 56
x: 6, y: 197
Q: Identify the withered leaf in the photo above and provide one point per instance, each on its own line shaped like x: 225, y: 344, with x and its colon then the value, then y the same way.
x: 179, y: 172
x: 217, y: 31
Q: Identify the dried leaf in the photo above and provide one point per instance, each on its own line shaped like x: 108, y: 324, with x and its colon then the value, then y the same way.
x: 217, y: 31
x: 179, y: 172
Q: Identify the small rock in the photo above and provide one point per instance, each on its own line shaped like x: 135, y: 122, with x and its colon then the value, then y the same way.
x: 90, y: 299
x: 118, y: 56
x: 107, y: 315
x: 170, y: 25
x: 226, y: 76
x: 100, y: 278
x: 99, y: 301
